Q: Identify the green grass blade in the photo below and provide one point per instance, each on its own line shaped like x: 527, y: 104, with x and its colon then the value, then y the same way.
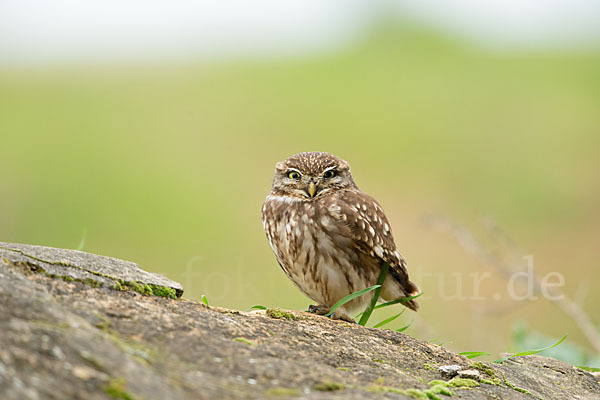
x: 589, y: 369
x: 530, y: 352
x: 205, y: 300
x: 256, y: 307
x: 367, y: 313
x: 350, y: 297
x: 400, y: 300
x: 405, y: 327
x: 82, y: 241
x: 473, y: 354
x: 390, y: 319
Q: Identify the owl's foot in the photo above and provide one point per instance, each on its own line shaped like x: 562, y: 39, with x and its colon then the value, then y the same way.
x: 322, y: 310
x: 318, y: 309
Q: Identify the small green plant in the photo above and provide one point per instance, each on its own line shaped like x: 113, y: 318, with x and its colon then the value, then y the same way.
x: 205, y: 300
x: 350, y: 297
x: 473, y: 354
x: 529, y: 352
x: 589, y: 369
x: 82, y: 241
x: 256, y: 307
x: 366, y: 314
x: 244, y: 340
x: 388, y: 320
x: 405, y: 327
x: 400, y: 300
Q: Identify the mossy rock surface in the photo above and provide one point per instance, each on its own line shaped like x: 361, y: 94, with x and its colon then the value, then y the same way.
x: 92, y: 269
x: 121, y: 338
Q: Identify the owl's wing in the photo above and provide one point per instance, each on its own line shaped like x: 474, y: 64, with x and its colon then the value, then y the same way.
x: 368, y: 226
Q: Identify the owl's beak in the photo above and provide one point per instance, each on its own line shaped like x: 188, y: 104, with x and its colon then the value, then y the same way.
x: 311, y: 189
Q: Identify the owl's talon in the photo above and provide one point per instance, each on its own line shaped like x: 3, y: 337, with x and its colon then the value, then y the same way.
x: 318, y: 309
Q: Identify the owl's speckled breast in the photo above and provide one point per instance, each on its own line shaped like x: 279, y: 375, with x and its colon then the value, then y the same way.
x: 312, y: 250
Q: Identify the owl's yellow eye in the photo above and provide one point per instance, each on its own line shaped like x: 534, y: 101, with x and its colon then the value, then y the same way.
x: 329, y: 174
x: 293, y: 175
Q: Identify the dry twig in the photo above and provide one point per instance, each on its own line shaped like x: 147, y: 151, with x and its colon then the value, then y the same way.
x: 482, y: 253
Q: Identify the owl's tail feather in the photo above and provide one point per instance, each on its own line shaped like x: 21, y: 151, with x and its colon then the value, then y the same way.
x: 408, y: 287
x: 411, y: 289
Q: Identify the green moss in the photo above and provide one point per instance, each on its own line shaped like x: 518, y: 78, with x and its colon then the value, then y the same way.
x: 280, y: 314
x: 495, y: 381
x: 440, y: 389
x: 379, y: 360
x: 463, y: 382
x: 436, y: 382
x: 343, y: 368
x: 162, y: 291
x: 146, y: 289
x: 518, y: 389
x: 431, y: 393
x: 281, y: 391
x: 104, y: 326
x: 67, y: 278
x: 383, y: 389
x: 93, y: 283
x: 149, y: 289
x: 427, y: 366
x: 116, y: 389
x: 512, y: 386
x: 486, y: 369
x: 244, y: 340
x: 329, y: 386
x: 419, y: 394
x: 117, y: 286
x: 136, y: 287
x: 489, y: 371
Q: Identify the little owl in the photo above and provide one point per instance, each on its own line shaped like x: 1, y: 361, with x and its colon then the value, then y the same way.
x: 330, y: 238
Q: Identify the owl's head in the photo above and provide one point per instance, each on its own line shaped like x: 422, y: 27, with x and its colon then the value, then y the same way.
x: 311, y: 175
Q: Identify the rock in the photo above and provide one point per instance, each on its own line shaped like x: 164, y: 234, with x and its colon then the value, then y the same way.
x: 91, y: 268
x: 63, y: 339
x: 469, y: 374
x: 450, y: 371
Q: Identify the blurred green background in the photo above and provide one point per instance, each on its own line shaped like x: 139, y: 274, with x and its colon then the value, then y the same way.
x: 167, y: 165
